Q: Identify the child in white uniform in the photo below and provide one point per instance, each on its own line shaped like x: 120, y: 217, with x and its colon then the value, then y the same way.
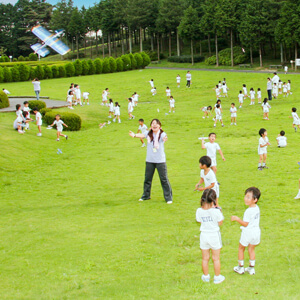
x: 279, y: 87
x: 78, y: 94
x: 143, y: 129
x: 241, y: 99
x: 275, y: 90
x: 218, y: 115
x: 210, y: 238
x: 284, y: 89
x: 105, y: 94
x: 168, y: 92
x: 39, y: 120
x: 59, y: 127
x: 250, y: 236
x: 178, y: 80
x: 153, y: 91
x: 130, y: 109
x: 151, y: 83
x: 135, y: 98
x: 245, y: 91
x: 289, y: 88
x: 111, y: 109
x: 85, y: 96
x: 224, y: 89
x: 233, y: 111
x: 295, y: 117
x: 259, y: 95
x: 281, y: 139
x: 263, y: 143
x: 20, y: 119
x: 252, y: 96
x: 117, y: 112
x: 206, y: 111
x: 5, y: 91
x: 27, y: 109
x: 266, y: 108
x: 172, y: 104
x: 70, y: 99
x: 218, y: 93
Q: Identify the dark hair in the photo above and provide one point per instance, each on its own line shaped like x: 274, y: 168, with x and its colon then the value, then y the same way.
x: 262, y: 131
x: 258, y: 89
x: 35, y: 109
x: 232, y: 103
x: 205, y: 160
x: 110, y: 100
x: 240, y: 92
x: 209, y: 196
x: 251, y: 89
x: 209, y: 107
x: 106, y: 89
x: 36, y: 79
x: 155, y: 88
x: 217, y: 86
x: 76, y: 85
x: 171, y: 97
x: 218, y: 105
x: 255, y: 192
x: 218, y: 101
x: 282, y: 132
x: 289, y: 81
x: 58, y: 115
x: 274, y: 83
x: 212, y: 134
x: 141, y: 120
x: 72, y: 83
x: 70, y: 92
x: 25, y: 114
x: 244, y: 85
x: 117, y: 104
x: 150, y: 133
x: 130, y: 99
x: 25, y: 102
x: 151, y: 79
x: 18, y: 106
x: 294, y: 109
x: 265, y: 100
x: 167, y: 87
x: 275, y: 73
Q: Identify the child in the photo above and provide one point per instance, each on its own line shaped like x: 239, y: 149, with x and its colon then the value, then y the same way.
x: 206, y: 111
x: 85, y: 96
x: 262, y: 149
x: 281, y: 139
x: 117, y: 112
x: 266, y: 108
x: 241, y: 99
x: 143, y: 130
x: 208, y: 176
x: 245, y: 91
x: 130, y: 109
x: 27, y: 120
x: 296, y: 120
x: 298, y: 195
x: 59, y: 127
x: 220, y: 84
x: 78, y: 94
x: 153, y: 91
x: 275, y: 90
x: 39, y: 120
x: 70, y: 99
x: 26, y: 108
x: 217, y: 89
x: 105, y: 94
x: 178, y: 80
x: 188, y: 77
x: 212, y: 148
x: 20, y: 119
x: 111, y: 109
x: 289, y: 88
x: 215, y: 106
x: 5, y: 91
x: 151, y: 83
x: 279, y: 87
x: 172, y: 104
x: 233, y: 111
x: 210, y: 238
x: 284, y: 89
x: 218, y: 115
x: 135, y: 98
x: 224, y: 88
x: 250, y: 236
x: 252, y: 96
x: 259, y: 95
x: 168, y: 92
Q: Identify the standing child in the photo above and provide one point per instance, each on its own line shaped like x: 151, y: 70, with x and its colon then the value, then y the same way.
x: 218, y: 115
x: 281, y: 139
x: 20, y: 119
x: 252, y: 96
x: 136, y: 98
x: 289, y: 88
x: 143, y: 130
x: 168, y: 92
x: 286, y: 69
x: 70, y: 99
x: 284, y: 89
x: 210, y: 238
x: 39, y: 120
x: 250, y: 236
x: 26, y: 108
x: 172, y: 104
x: 178, y: 80
x: 218, y: 93
x: 224, y: 89
x: 241, y: 99
x: 206, y: 111
x: 233, y: 111
x: 117, y: 112
x: 153, y: 91
x: 59, y: 127
x: 259, y: 95
x: 295, y: 117
x: 188, y: 77
x: 266, y: 108
x: 245, y: 91
x: 85, y: 96
x: 151, y: 83
x: 78, y: 94
x: 263, y: 143
x: 279, y: 87
x: 130, y: 109
x: 105, y: 94
x: 211, y: 148
x: 111, y: 109
x: 220, y: 85
x: 275, y: 90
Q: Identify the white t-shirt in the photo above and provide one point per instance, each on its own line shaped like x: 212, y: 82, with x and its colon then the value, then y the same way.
x: 85, y: 95
x: 218, y: 113
x: 188, y: 76
x: 280, y: 84
x: 6, y: 91
x: 117, y: 111
x: 263, y: 141
x: 241, y: 98
x: 70, y: 98
x: 172, y: 102
x: 245, y: 90
x: 104, y: 95
x: 151, y: 83
x: 296, y: 119
x: 211, y: 149
x: 252, y: 94
x: 178, y: 79
x: 20, y: 117
x: 281, y: 141
x: 36, y: 85
x: 130, y: 107
x: 233, y: 110
x: 217, y: 91
x: 27, y: 108
x: 258, y: 94
x: 209, y: 178
x: 153, y: 91
x: 143, y: 129
x: 168, y: 91
x: 38, y: 118
x: 252, y: 216
x: 209, y: 219
x: 266, y: 107
x: 111, y: 106
x: 78, y: 93
x: 288, y: 85
x: 275, y: 79
x: 59, y: 125
x: 224, y: 88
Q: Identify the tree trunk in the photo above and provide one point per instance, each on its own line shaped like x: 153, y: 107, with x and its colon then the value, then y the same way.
x: 130, y: 41
x: 84, y: 41
x: 122, y: 40
x: 109, y: 44
x: 158, y: 54
x: 200, y: 48
x: 192, y: 52
x: 209, y: 47
x: 126, y: 40
x: 281, y: 53
x: 251, y: 56
x: 103, y: 51
x: 170, y: 43
x: 141, y: 39
x: 91, y: 46
x: 296, y: 54
x: 77, y: 47
x: 231, y: 46
x: 115, y: 45
x: 162, y: 43
x: 178, y: 43
x: 145, y: 39
x: 260, y: 56
x: 152, y: 42
x: 217, y: 54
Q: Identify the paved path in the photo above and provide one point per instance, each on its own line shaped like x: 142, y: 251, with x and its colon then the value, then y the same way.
x: 14, y: 101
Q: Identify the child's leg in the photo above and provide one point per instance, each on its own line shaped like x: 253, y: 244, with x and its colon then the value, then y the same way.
x: 264, y: 158
x: 251, y: 250
x: 214, y: 168
x: 216, y: 260
x: 39, y: 128
x: 205, y: 260
x: 260, y: 158
x: 234, y: 119
x: 61, y: 134
x: 241, y: 255
x: 142, y: 141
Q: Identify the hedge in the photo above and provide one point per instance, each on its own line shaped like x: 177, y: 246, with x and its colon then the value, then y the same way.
x: 78, y: 67
x: 98, y: 65
x: 15, y: 74
x: 45, y: 110
x: 132, y: 61
x: 146, y: 59
x: 39, y: 72
x: 126, y: 62
x: 70, y: 70
x: 85, y: 68
x: 7, y: 74
x: 106, y: 66
x: 225, y: 57
x: 112, y: 65
x: 33, y: 57
x: 32, y: 73
x: 47, y: 72
x: 61, y: 71
x: 139, y: 60
x: 36, y: 103
x: 54, y: 71
x: 72, y: 120
x: 24, y: 72
x: 4, y: 102
x: 120, y: 64
x: 92, y: 69
x: 1, y: 74
x: 186, y: 58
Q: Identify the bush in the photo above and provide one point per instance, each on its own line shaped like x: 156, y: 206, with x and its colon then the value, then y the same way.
x: 61, y: 71
x: 33, y: 57
x: 74, y: 55
x: 2, y: 59
x: 72, y: 120
x: 32, y: 73
x: 85, y: 68
x: 112, y: 64
x: 70, y: 70
x: 119, y: 63
x: 6, y: 58
x: 36, y: 103
x: 78, y: 67
x: 146, y: 59
x: 45, y: 110
x: 15, y: 74
x: 4, y: 102
x: 21, y: 58
x: 185, y: 58
x: 211, y: 60
x: 39, y: 72
x: 54, y: 71
x: 126, y: 62
x: 7, y: 74
x: 15, y: 59
x: 153, y: 55
x: 47, y: 72
x: 98, y: 66
x: 225, y: 57
x: 1, y: 74
x: 139, y: 60
x: 92, y: 68
x: 24, y: 71
x: 26, y: 58
x: 132, y: 61
x: 106, y: 66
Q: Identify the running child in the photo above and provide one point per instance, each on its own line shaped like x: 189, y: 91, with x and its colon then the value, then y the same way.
x: 281, y: 140
x: 289, y: 88
x: 70, y: 99
x: 233, y: 111
x: 241, y: 99
x: 220, y: 85
x: 284, y: 89
x: 275, y: 90
x: 135, y: 98
x: 252, y: 96
x: 245, y: 91
x: 172, y: 104
x: 206, y: 111
x: 259, y: 95
x: 59, y: 127
x: 224, y: 89
x: 211, y: 148
x: 153, y: 91
x: 85, y: 96
x: 105, y: 94
x: 218, y: 93
x: 210, y: 238
x: 178, y: 80
x: 168, y: 92
x: 111, y: 109
x: 143, y: 129
x: 39, y: 120
x: 296, y: 119
x: 130, y: 109
x: 263, y: 143
x: 218, y: 116
x: 5, y: 91
x: 266, y: 108
x: 250, y: 236
x: 117, y: 112
x: 215, y: 106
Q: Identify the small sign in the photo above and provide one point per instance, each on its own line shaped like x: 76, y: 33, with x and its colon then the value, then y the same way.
x: 297, y: 61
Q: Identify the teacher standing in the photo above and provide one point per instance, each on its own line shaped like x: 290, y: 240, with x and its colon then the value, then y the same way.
x: 37, y: 87
x: 156, y: 159
x: 269, y: 88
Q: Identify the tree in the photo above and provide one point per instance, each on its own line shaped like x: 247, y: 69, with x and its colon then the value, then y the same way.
x: 24, y: 71
x: 98, y: 66
x: 85, y: 68
x: 78, y: 67
x: 15, y: 74
x: 7, y: 75
x: 112, y: 65
x: 119, y: 63
x: 106, y: 66
x: 39, y: 72
x: 54, y: 71
x: 92, y: 68
x: 47, y: 72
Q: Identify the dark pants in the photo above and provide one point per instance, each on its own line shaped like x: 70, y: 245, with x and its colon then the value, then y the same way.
x: 188, y: 83
x: 163, y: 176
x: 269, y: 94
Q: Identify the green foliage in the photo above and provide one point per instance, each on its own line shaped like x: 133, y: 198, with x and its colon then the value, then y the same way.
x: 45, y: 110
x: 78, y: 67
x: 1, y: 74
x: 189, y: 26
x: 126, y: 62
x: 24, y: 71
x: 2, y: 59
x: 26, y: 58
x: 61, y: 71
x: 54, y: 71
x: 32, y: 73
x: 7, y: 74
x: 139, y: 60
x: 85, y: 68
x: 186, y: 58
x: 146, y: 59
x: 33, y: 57
x: 119, y: 63
x: 98, y: 66
x: 112, y: 65
x: 47, y: 72
x: 92, y: 68
x: 21, y: 58
x: 211, y: 60
x: 153, y: 55
x: 106, y: 66
x: 4, y: 102
x: 39, y: 72
x: 70, y: 70
x: 72, y: 120
x: 36, y: 103
x: 132, y: 61
x: 225, y: 57
x: 5, y: 58
x: 15, y: 74
x: 15, y: 59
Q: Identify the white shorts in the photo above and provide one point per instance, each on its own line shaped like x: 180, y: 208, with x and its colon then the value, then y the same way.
x: 117, y: 114
x: 85, y: 97
x: 218, y: 118
x: 130, y: 111
x: 178, y: 81
x: 213, y: 161
x: 217, y: 189
x: 252, y: 98
x: 168, y: 94
x: 19, y: 120
x: 233, y: 115
x: 172, y: 105
x: 60, y: 130
x: 210, y: 240
x: 265, y: 110
x: 241, y: 101
x: 39, y: 123
x: 111, y: 111
x: 262, y: 150
x: 251, y: 237
x: 285, y: 90
x: 297, y: 122
x: 104, y: 99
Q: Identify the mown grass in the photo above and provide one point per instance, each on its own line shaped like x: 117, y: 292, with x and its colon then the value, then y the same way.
x: 71, y: 226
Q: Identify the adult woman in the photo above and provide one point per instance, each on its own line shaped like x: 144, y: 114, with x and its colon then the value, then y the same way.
x: 156, y: 159
x: 37, y: 87
x: 269, y: 88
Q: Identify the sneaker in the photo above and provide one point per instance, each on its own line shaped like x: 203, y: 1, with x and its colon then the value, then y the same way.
x: 231, y: 124
x: 21, y: 131
x: 265, y: 167
x: 240, y: 270
x: 88, y: 103
x: 259, y: 168
x: 109, y: 117
x: 205, y: 278
x: 234, y: 123
x: 133, y: 117
x: 71, y: 107
x: 108, y: 122
x: 144, y: 145
x: 214, y: 125
x: 141, y: 199
x: 66, y: 137
x: 57, y: 140
x: 203, y: 118
x: 39, y: 134
x: 114, y: 120
x: 219, y: 279
x: 298, y: 196
x: 250, y: 270
x: 223, y: 125
x: 102, y: 103
x: 119, y: 121
x: 295, y: 129
x: 169, y: 202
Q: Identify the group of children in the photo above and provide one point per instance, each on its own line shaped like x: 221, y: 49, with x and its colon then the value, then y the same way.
x: 74, y: 96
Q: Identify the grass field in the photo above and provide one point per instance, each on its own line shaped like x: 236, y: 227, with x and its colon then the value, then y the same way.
x: 71, y: 225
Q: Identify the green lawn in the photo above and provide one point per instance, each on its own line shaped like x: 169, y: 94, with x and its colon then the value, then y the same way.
x: 71, y: 226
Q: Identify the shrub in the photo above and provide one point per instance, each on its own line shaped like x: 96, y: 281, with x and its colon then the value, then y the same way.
x: 6, y: 58
x: 15, y: 74
x: 47, y: 72
x: 1, y: 74
x: 15, y: 59
x: 126, y: 62
x: 45, y: 110
x: 225, y: 57
x: 21, y: 58
x: 146, y: 59
x: 32, y: 73
x: 36, y: 103
x: 85, y: 68
x: 54, y: 71
x: 7, y: 74
x: 33, y: 57
x: 26, y: 58
x: 39, y: 72
x: 24, y: 71
x: 70, y: 70
x: 106, y: 66
x: 211, y: 60
x: 139, y: 60
x: 119, y: 63
x: 98, y: 66
x: 153, y: 55
x: 4, y: 102
x: 78, y: 67
x: 72, y: 120
x: 132, y: 61
x: 185, y: 58
x: 112, y: 64
x: 61, y: 71
x: 92, y: 68
x: 2, y: 59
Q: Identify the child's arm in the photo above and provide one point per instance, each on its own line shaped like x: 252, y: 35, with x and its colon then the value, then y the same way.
x: 241, y: 222
x: 202, y: 144
x: 220, y: 223
x: 138, y: 135
x: 206, y: 188
x: 65, y: 125
x: 221, y: 153
x: 138, y: 131
x: 198, y: 184
x: 49, y: 125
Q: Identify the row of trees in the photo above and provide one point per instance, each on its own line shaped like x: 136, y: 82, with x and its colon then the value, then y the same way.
x: 268, y: 25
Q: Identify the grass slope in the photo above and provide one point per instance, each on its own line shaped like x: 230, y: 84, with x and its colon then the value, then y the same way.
x: 71, y: 226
